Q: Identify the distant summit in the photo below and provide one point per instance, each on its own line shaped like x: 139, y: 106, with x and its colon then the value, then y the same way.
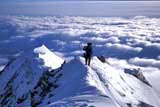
x: 49, y: 58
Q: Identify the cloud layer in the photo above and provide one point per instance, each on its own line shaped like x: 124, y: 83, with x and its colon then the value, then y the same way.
x: 116, y: 37
x: 129, y: 43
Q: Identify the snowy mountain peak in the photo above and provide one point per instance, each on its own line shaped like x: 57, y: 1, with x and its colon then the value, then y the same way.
x: 41, y: 49
x: 22, y: 75
x: 38, y: 79
x: 50, y: 59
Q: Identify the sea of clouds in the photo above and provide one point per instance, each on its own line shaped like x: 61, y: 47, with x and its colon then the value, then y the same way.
x: 112, y: 37
x: 134, y: 40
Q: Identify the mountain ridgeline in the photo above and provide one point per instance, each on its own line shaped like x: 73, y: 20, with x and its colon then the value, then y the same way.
x: 40, y: 78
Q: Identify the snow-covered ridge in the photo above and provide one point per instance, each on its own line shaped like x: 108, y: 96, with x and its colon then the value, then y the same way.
x: 37, y: 78
x: 41, y: 57
x: 23, y: 74
x: 101, y: 81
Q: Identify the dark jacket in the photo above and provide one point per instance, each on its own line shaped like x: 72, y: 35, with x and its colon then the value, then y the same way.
x: 88, y: 50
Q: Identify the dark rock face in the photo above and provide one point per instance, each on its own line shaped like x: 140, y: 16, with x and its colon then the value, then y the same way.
x: 102, y: 59
x: 142, y: 104
x: 46, y: 84
x: 139, y: 75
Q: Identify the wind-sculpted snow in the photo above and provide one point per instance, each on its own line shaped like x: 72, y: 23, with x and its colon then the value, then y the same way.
x: 48, y: 57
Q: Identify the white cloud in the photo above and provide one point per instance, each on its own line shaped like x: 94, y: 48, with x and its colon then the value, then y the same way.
x: 123, y: 47
x: 145, y: 62
x: 156, y: 45
x: 113, y: 40
x: 118, y: 34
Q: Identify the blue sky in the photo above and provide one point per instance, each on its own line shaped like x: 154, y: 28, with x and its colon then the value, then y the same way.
x: 68, y: 0
x: 91, y: 8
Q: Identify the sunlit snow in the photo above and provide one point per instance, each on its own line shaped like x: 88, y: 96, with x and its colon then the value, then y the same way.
x: 132, y: 43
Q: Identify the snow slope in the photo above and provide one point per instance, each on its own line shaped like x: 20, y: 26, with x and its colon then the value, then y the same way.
x: 84, y: 101
x: 23, y: 74
x: 38, y: 79
x: 49, y: 58
x: 81, y: 85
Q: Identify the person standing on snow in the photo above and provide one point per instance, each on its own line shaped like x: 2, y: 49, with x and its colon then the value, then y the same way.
x: 88, y: 53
